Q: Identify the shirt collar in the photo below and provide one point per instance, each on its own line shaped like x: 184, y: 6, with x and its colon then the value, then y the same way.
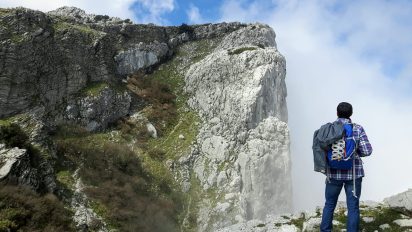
x: 344, y: 120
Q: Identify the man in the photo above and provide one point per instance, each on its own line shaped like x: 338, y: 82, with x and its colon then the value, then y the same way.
x: 338, y: 178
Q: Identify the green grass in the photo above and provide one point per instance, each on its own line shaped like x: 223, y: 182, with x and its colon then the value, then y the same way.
x: 61, y: 26
x: 65, y: 178
x: 94, y: 89
x: 381, y: 216
x: 103, y: 212
x: 193, y: 197
x: 240, y: 50
x: 4, y: 12
x: 6, y: 121
x: 298, y: 222
x: 171, y: 144
x: 18, y: 38
x: 11, y: 33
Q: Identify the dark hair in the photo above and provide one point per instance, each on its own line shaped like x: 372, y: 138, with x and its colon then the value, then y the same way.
x: 344, y: 110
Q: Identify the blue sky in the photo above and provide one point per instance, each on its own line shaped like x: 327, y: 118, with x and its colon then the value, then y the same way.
x: 209, y: 9
x: 355, y: 51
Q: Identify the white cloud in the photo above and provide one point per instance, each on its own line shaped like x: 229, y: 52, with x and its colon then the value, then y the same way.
x: 339, y: 53
x: 152, y: 10
x: 113, y: 8
x: 194, y: 15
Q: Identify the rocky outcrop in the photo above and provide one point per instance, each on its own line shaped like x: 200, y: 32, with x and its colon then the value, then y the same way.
x: 15, y: 167
x: 101, y: 106
x: 242, y: 150
x: 46, y: 59
x: 374, y: 217
x: 141, y: 56
x: 84, y: 216
x: 80, y: 16
x: 252, y: 35
x: 401, y: 201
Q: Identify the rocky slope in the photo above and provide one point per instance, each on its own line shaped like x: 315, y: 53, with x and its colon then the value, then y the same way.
x: 393, y: 214
x: 141, y: 127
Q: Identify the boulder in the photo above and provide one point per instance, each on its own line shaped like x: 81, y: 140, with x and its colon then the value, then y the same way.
x: 15, y: 167
x: 96, y: 110
x: 401, y: 201
x: 403, y: 222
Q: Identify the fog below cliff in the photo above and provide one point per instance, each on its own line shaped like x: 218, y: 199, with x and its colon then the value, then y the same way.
x: 323, y: 70
x: 335, y: 51
x: 356, y: 52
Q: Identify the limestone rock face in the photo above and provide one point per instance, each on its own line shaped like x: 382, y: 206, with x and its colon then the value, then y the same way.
x: 253, y: 35
x: 44, y: 61
x: 84, y: 216
x: 140, y: 56
x: 15, y: 166
x: 80, y: 16
x: 401, y: 201
x: 242, y: 151
x: 97, y: 111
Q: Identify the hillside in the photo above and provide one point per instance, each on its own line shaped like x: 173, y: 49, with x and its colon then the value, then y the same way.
x: 108, y: 125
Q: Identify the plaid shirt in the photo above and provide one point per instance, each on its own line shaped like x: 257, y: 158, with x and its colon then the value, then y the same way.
x: 364, y: 149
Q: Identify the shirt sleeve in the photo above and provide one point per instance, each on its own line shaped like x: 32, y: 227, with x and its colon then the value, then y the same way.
x: 364, y: 147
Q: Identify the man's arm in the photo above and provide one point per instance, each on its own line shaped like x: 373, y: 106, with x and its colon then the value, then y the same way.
x: 364, y: 148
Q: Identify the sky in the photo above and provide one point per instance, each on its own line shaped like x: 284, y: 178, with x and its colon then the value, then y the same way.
x: 354, y: 51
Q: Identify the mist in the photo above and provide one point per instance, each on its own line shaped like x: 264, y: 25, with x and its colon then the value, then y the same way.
x: 356, y: 52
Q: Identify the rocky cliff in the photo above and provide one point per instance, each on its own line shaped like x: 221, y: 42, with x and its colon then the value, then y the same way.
x: 141, y: 127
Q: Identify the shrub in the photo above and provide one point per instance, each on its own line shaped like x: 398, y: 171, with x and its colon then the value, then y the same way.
x: 70, y: 131
x: 21, y: 209
x: 184, y: 28
x: 132, y: 199
x: 162, y: 109
x: 13, y: 136
x: 151, y: 90
x: 157, y: 154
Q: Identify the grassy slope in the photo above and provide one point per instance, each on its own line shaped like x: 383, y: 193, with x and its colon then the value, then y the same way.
x: 380, y: 214
x: 124, y: 168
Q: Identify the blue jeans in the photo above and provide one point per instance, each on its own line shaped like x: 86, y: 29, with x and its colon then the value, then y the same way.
x: 332, y: 192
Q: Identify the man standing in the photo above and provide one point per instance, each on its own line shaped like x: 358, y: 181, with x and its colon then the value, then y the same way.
x: 338, y: 178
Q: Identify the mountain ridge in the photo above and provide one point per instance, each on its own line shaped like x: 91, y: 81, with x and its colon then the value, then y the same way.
x: 142, y: 127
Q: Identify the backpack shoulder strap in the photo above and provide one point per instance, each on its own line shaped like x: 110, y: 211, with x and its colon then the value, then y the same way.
x: 356, y: 141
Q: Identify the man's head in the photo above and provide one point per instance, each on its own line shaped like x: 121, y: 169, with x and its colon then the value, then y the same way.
x: 344, y: 110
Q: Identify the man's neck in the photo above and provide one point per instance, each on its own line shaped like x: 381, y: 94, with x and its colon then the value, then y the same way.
x: 344, y: 120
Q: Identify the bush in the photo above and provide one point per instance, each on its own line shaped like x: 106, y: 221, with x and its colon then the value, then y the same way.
x: 13, y: 136
x: 162, y: 109
x: 151, y: 90
x: 157, y: 154
x: 21, y: 209
x: 184, y: 28
x: 131, y: 199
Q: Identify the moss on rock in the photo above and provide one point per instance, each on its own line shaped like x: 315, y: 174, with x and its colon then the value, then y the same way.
x: 240, y: 50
